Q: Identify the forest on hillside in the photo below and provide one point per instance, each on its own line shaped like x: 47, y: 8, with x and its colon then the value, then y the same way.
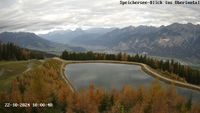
x: 45, y: 85
x: 168, y: 67
x: 10, y: 51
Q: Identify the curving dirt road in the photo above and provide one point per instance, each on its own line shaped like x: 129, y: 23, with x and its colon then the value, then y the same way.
x: 64, y: 75
x: 178, y: 83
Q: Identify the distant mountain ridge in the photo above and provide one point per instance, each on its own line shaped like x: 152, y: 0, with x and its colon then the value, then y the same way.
x: 175, y: 40
x: 32, y: 41
x: 69, y: 36
x: 26, y: 40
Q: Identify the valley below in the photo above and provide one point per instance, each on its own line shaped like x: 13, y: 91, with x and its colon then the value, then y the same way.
x: 99, y: 56
x: 102, y: 70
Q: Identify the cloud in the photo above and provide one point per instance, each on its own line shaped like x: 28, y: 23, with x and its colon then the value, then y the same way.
x: 47, y: 15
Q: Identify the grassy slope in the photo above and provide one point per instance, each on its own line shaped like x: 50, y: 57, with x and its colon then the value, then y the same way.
x: 9, y: 70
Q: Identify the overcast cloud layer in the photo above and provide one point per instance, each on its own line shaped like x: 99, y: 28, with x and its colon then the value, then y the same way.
x: 41, y: 16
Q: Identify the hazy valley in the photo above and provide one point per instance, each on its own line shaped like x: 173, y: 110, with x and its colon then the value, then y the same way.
x: 173, y: 41
x: 102, y: 70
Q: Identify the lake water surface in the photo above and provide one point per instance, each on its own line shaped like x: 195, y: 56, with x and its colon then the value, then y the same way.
x: 116, y: 76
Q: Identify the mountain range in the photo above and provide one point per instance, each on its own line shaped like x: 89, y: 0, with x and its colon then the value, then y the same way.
x: 68, y: 36
x: 34, y: 42
x: 175, y: 40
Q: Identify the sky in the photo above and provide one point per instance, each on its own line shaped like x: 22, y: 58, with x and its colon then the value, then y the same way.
x: 43, y: 16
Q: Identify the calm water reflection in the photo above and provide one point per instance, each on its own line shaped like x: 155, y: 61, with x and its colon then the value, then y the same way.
x: 115, y: 76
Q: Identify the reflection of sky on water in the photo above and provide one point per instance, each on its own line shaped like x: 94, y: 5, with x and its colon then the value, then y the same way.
x: 114, y: 76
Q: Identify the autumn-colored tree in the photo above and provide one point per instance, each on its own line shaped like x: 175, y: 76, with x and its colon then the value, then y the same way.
x: 45, y: 84
x: 16, y: 96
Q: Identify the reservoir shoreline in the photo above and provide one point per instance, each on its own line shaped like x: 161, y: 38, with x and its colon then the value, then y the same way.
x: 144, y: 67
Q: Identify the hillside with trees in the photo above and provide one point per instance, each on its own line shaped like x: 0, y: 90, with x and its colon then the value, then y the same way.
x: 45, y: 85
x: 171, y: 68
x: 10, y: 51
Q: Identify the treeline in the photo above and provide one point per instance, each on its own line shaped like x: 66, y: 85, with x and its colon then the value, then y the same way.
x: 45, y: 85
x: 9, y: 51
x: 167, y: 66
